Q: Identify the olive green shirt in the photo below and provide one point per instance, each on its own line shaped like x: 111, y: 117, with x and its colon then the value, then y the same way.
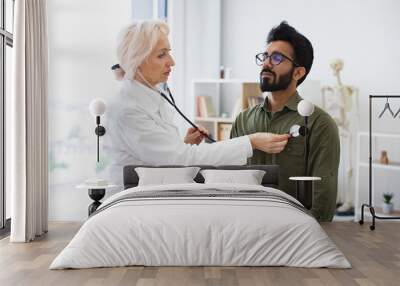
x: 324, y: 150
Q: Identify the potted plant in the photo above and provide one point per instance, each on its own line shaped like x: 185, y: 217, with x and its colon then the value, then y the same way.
x: 387, y: 204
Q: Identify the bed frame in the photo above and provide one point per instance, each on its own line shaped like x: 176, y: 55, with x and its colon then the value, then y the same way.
x: 270, y: 179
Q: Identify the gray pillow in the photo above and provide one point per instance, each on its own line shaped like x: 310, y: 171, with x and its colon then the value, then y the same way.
x: 248, y: 177
x: 165, y: 176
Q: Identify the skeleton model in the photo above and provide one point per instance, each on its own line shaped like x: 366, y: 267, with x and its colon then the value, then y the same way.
x: 341, y: 102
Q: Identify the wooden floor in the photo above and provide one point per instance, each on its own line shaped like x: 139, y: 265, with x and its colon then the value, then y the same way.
x: 374, y: 255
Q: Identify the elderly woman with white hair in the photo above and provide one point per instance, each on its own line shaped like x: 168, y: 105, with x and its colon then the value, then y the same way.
x: 140, y: 120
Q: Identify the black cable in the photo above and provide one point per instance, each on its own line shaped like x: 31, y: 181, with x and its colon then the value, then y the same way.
x: 172, y: 102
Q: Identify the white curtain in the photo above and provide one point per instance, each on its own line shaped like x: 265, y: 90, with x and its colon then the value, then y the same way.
x: 27, y: 117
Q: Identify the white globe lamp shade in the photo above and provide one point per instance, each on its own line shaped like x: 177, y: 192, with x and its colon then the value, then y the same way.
x: 97, y: 107
x: 305, y: 108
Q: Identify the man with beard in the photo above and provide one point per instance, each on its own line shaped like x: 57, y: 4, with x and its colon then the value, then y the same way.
x: 285, y: 64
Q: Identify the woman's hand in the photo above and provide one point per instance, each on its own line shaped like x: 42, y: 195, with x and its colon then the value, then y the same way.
x: 195, y: 136
x: 269, y: 142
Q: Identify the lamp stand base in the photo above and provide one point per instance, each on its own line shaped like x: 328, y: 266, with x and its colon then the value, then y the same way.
x: 96, y: 195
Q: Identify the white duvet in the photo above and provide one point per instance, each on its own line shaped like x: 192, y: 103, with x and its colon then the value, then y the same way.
x: 200, y: 231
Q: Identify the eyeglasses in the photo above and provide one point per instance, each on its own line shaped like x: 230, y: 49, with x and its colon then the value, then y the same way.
x: 275, y: 59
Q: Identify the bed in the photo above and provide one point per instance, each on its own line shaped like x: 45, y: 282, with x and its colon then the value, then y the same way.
x: 198, y: 224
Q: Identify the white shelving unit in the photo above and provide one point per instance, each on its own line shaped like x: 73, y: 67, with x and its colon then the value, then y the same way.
x: 392, y: 170
x: 393, y: 166
x: 224, y: 95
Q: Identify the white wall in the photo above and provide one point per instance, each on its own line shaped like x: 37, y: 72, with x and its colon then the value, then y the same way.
x: 364, y: 33
x: 142, y: 9
x: 82, y: 44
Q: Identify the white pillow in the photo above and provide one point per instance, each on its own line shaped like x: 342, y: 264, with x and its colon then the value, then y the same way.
x: 164, y: 176
x: 248, y: 177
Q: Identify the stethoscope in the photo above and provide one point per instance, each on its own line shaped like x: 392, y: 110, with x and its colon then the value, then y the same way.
x: 295, y: 130
x: 171, y: 101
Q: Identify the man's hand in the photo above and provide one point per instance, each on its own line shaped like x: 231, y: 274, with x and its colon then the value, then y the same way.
x: 269, y: 142
x: 194, y: 136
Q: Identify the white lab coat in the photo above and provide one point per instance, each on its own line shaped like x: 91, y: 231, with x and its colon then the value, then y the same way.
x: 140, y: 130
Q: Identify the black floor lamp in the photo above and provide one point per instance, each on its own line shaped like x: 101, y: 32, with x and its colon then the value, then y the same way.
x: 304, y: 185
x: 97, y: 108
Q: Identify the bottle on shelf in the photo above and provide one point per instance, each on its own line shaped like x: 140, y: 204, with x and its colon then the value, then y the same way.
x: 221, y: 72
x: 384, y: 158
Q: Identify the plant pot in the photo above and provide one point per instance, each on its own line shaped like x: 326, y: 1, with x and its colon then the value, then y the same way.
x: 387, y: 208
